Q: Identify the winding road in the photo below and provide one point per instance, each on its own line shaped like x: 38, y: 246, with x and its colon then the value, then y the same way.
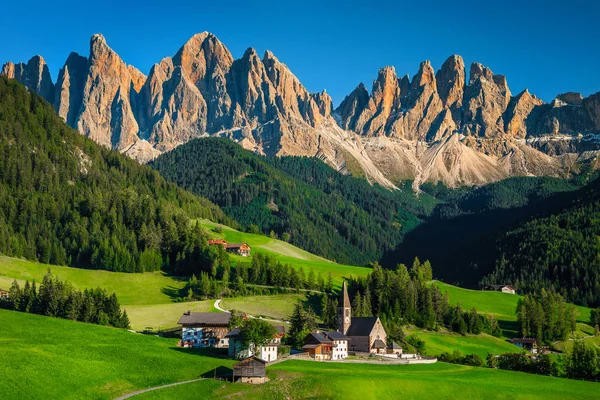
x: 217, y: 305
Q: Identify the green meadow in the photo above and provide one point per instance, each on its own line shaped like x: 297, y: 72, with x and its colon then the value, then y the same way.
x: 313, y: 380
x: 49, y: 358
x: 285, y: 253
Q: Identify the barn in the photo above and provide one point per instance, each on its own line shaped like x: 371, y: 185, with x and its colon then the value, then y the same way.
x: 251, y: 370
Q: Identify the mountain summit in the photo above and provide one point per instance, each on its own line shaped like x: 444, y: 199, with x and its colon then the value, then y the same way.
x: 439, y: 126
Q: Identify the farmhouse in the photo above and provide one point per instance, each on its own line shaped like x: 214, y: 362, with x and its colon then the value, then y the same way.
x: 318, y: 346
x: 3, y: 294
x: 501, y: 288
x: 251, y: 370
x: 366, y: 334
x: 242, y: 249
x: 204, y: 329
x: 268, y: 352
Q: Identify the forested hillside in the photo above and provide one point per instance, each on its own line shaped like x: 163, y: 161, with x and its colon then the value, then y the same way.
x: 66, y: 200
x: 559, y: 251
x: 300, y: 199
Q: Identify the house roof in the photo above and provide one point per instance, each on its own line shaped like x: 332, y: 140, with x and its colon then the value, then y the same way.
x: 336, y: 335
x: 378, y: 344
x: 344, y: 299
x: 394, y: 346
x: 280, y: 329
x: 310, y: 346
x: 234, y: 333
x: 235, y: 245
x: 204, y: 318
x: 361, y: 326
x: 249, y: 360
x: 317, y: 338
x: 496, y: 287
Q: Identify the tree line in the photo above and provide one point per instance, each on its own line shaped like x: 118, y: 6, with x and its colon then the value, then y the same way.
x: 404, y: 296
x: 55, y: 298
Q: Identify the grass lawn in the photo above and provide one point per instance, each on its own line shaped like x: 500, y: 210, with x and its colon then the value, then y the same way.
x: 276, y: 307
x: 285, y: 253
x: 502, y: 305
x: 131, y: 289
x: 50, y: 358
x: 307, y: 379
x: 162, y: 316
x: 437, y: 343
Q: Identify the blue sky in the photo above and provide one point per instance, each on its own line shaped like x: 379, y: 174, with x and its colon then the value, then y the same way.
x: 549, y: 47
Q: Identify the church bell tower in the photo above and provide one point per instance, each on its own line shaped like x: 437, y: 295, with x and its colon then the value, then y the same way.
x: 344, y: 310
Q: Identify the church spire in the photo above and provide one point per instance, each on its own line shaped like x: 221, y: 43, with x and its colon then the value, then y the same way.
x: 344, y: 310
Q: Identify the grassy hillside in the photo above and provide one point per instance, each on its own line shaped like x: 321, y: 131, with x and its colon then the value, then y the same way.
x: 72, y: 360
x: 502, y: 305
x: 306, y: 379
x: 48, y: 358
x: 285, y: 253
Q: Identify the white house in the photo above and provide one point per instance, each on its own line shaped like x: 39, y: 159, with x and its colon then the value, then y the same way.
x: 340, y: 341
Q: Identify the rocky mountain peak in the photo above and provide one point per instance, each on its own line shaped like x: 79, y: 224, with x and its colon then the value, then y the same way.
x: 425, y: 75
x: 571, y: 98
x: 450, y: 80
x: 35, y: 75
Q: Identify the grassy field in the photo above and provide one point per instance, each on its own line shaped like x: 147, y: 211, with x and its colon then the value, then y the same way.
x: 502, y: 305
x: 437, y: 343
x: 276, y: 307
x: 306, y: 379
x: 62, y: 359
x: 48, y: 358
x: 132, y: 289
x: 285, y: 253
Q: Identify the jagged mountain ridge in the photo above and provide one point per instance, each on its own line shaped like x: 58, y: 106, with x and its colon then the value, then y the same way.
x: 435, y: 127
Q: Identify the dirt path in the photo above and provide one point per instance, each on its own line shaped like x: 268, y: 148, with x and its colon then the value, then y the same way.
x: 126, y: 396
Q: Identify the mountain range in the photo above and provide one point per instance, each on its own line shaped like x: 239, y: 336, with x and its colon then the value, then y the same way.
x: 443, y: 126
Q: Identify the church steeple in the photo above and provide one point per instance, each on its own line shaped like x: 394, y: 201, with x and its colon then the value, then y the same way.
x: 344, y: 310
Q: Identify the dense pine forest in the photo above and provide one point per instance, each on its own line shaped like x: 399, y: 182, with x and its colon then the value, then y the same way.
x: 339, y: 217
x: 558, y: 251
x: 66, y: 200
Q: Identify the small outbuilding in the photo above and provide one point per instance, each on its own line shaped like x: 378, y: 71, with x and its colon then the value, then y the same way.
x: 394, y: 348
x: 251, y: 370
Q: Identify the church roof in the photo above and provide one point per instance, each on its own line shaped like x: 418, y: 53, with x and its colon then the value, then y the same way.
x: 344, y: 299
x: 361, y: 326
x: 378, y: 344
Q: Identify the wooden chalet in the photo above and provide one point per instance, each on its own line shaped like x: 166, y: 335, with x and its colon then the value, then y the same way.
x: 251, y: 370
x: 318, y: 346
x: 242, y: 249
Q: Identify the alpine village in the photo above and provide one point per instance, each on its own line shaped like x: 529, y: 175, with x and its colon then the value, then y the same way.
x: 212, y: 224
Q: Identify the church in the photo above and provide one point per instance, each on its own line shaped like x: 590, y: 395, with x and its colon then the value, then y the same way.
x: 366, y: 333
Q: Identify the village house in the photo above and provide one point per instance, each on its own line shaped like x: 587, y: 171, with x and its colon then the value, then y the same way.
x: 251, y: 370
x: 268, y: 352
x: 3, y: 294
x: 529, y: 344
x: 500, y: 288
x: 204, y: 329
x: 366, y: 334
x: 318, y: 346
x: 241, y: 249
x: 326, y: 345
